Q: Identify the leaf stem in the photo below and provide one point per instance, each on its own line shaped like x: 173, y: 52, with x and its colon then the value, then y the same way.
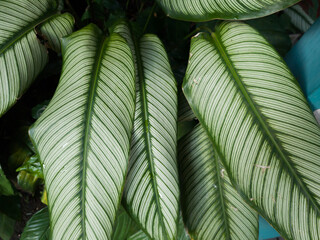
x: 149, y: 17
x: 205, y: 28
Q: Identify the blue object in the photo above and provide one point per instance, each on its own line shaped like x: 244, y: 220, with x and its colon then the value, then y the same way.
x: 304, y: 62
x: 266, y: 231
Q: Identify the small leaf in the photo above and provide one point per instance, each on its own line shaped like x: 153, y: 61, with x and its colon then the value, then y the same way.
x: 32, y: 166
x: 28, y: 182
x: 38, y: 226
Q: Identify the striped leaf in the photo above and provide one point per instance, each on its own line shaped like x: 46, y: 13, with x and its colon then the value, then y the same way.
x: 260, y: 124
x: 55, y: 28
x: 82, y: 137
x: 205, y: 10
x: 22, y: 56
x: 184, y: 112
x: 299, y: 18
x: 212, y: 208
x: 151, y: 193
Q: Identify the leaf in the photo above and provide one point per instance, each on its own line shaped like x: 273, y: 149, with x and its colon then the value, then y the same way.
x: 28, y: 182
x: 32, y: 166
x: 124, y: 226
x: 212, y: 208
x: 30, y: 174
x: 82, y: 138
x: 260, y: 124
x: 299, y: 18
x: 303, y: 62
x: 205, y: 10
x: 184, y: 128
x: 272, y: 28
x: 182, y: 231
x: 38, y: 226
x: 151, y: 193
x: 6, y: 227
x: 22, y: 56
x: 56, y: 28
x: 5, y: 185
x: 185, y: 112
x: 38, y: 109
x: 139, y: 236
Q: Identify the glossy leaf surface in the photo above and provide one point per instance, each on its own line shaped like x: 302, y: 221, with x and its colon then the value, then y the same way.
x: 38, y: 226
x: 22, y: 56
x: 82, y: 138
x: 260, y: 124
x: 151, y: 193
x: 205, y: 10
x: 212, y: 208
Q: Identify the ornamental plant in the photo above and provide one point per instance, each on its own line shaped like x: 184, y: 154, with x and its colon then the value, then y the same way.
x: 155, y: 120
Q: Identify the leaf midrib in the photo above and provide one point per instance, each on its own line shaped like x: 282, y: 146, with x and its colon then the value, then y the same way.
x: 88, y: 117
x: 26, y: 29
x: 217, y: 42
x: 147, y: 135
x: 221, y: 193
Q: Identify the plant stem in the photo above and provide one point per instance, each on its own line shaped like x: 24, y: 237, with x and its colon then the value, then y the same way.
x: 149, y: 17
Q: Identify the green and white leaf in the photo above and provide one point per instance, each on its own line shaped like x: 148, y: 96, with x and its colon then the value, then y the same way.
x: 205, y: 10
x: 260, y: 124
x: 38, y: 226
x: 299, y: 18
x: 83, y: 136
x: 54, y: 29
x: 22, y: 56
x: 185, y: 113
x: 211, y: 207
x: 151, y: 193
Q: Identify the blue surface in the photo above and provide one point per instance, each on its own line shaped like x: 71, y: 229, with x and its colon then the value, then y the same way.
x: 304, y: 62
x: 266, y: 231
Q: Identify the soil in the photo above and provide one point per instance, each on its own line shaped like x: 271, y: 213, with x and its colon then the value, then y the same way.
x: 29, y: 205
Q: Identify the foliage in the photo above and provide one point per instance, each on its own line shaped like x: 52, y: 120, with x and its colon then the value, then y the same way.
x: 144, y: 138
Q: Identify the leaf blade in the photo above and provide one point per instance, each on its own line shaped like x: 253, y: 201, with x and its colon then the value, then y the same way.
x: 263, y: 113
x: 38, y: 226
x: 87, y: 125
x: 22, y: 56
x: 152, y: 181
x: 211, y: 206
x: 205, y: 10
